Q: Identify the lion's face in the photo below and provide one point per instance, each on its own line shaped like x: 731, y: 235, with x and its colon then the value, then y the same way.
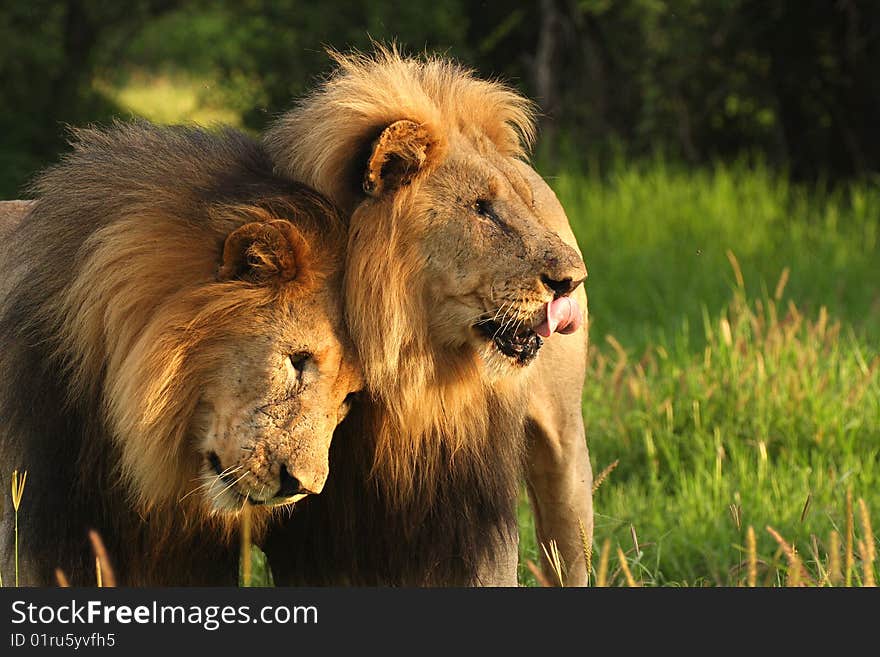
x: 276, y: 394
x: 253, y: 366
x: 491, y: 263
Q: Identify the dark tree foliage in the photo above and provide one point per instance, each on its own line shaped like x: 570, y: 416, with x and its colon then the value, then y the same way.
x: 794, y: 80
x: 48, y: 49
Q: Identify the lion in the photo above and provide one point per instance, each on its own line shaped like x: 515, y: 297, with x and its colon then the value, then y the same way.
x: 464, y: 298
x: 174, y: 352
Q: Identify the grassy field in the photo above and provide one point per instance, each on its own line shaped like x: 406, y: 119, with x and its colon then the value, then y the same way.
x: 734, y: 371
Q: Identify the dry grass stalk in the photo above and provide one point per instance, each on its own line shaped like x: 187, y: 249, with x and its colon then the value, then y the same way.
x: 246, y: 546
x: 18, y: 483
x: 554, y: 558
x: 602, y: 575
x: 588, y: 549
x: 635, y: 539
x: 763, y: 460
x: 106, y: 576
x: 736, y: 515
x: 796, y: 572
x: 866, y: 546
x: 848, y: 555
x: 834, y: 575
x: 806, y: 507
x: 752, y: 547
x: 620, y: 366
x: 737, y: 272
x: 771, y: 572
x: 61, y: 578
x: 539, y: 576
x: 780, y: 286
x: 823, y: 574
x: 604, y: 475
x: 630, y: 580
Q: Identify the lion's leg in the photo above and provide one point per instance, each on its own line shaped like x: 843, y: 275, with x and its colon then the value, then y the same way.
x: 559, y: 475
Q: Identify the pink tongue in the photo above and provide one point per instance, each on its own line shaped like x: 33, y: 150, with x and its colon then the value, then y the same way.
x: 563, y: 316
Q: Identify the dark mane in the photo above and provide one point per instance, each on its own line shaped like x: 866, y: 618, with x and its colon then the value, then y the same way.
x: 356, y: 533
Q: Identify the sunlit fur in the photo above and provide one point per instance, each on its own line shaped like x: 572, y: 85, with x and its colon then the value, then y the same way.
x: 114, y: 325
x: 426, y: 403
x: 334, y: 125
x: 445, y: 421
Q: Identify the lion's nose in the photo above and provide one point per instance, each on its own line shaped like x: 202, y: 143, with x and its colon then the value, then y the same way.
x: 290, y: 485
x: 560, y: 288
x: 563, y: 271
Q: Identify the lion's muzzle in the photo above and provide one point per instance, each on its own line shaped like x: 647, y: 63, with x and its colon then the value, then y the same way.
x: 513, y: 339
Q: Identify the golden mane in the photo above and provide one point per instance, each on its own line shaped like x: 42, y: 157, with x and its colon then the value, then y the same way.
x: 319, y: 141
x: 430, y: 406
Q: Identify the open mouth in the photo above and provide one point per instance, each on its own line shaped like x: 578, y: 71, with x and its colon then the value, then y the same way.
x: 518, y: 342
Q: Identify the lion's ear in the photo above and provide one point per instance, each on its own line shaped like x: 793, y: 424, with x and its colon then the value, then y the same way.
x: 398, y: 155
x: 259, y: 252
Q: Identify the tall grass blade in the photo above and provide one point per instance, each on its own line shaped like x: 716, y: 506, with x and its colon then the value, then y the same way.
x: 604, y: 475
x: 18, y: 483
x: 602, y: 575
x: 61, y: 578
x: 554, y: 558
x: 848, y: 554
x: 246, y: 564
x: 624, y: 566
x: 867, y: 551
x: 834, y: 574
x: 588, y: 549
x: 540, y: 577
x: 796, y: 572
x: 106, y: 575
x: 752, y: 547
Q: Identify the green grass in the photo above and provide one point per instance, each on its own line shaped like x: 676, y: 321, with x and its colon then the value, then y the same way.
x: 729, y: 401
x: 654, y: 238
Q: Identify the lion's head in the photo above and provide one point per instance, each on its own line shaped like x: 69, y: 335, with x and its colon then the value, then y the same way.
x: 204, y: 313
x: 276, y: 375
x: 454, y: 267
x: 436, y: 182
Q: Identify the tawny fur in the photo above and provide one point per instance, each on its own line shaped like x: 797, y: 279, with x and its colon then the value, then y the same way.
x: 322, y: 141
x: 112, y: 318
x: 425, y: 476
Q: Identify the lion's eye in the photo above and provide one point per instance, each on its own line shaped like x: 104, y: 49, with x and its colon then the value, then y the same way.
x: 483, y: 208
x: 298, y: 362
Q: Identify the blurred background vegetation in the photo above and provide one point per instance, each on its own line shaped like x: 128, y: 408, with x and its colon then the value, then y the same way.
x: 794, y: 80
x: 681, y: 136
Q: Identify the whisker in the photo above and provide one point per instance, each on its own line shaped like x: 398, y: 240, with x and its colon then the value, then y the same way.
x: 509, y: 320
x: 205, y: 485
x: 229, y: 486
x: 498, y: 312
x: 503, y: 319
x: 194, y: 490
